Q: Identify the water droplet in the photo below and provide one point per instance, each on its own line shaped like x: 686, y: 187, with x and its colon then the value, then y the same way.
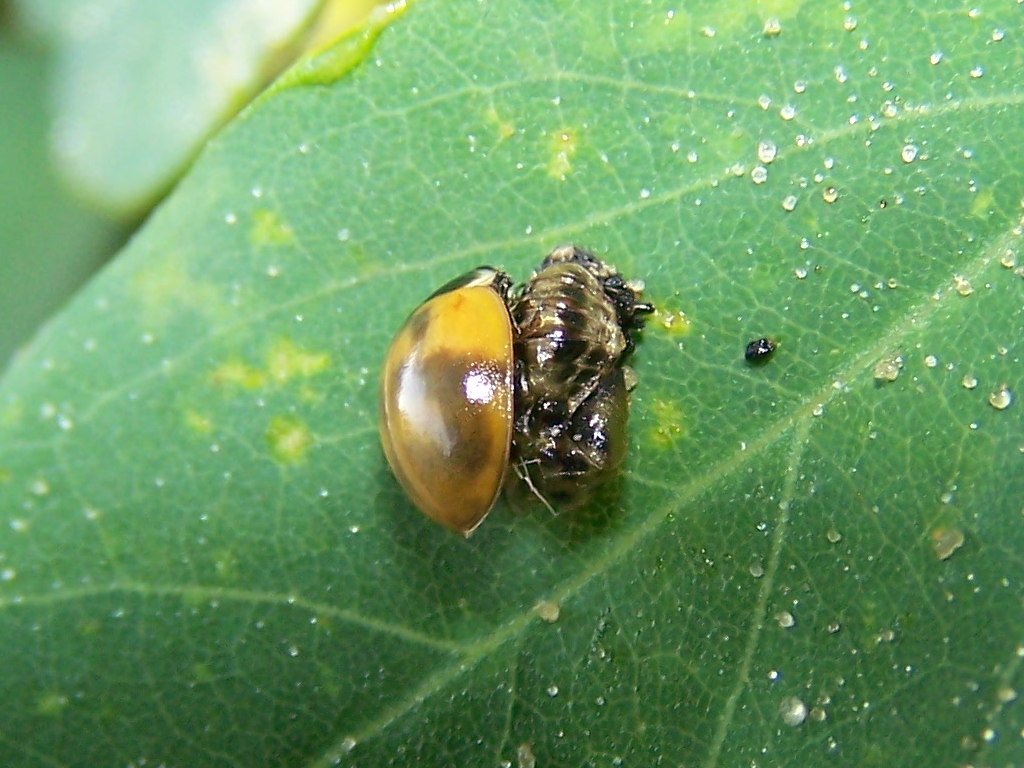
x: 888, y: 369
x: 347, y: 744
x: 273, y: 270
x: 946, y: 541
x: 1008, y: 259
x: 789, y: 203
x: 833, y: 536
x: 552, y: 690
x: 764, y: 101
x: 785, y: 619
x: 830, y: 194
x: 931, y: 361
x: 909, y: 153
x: 548, y: 611
x: 793, y: 711
x: 293, y: 651
x: 800, y: 86
x: 524, y: 757
x: 759, y: 175
x: 834, y: 627
x: 256, y: 192
x: 645, y: 193
x: 998, y: 35
x: 818, y: 410
x: 1001, y: 398
x: 840, y: 74
x: 788, y: 112
x: 708, y: 31
x: 343, y: 235
x: 8, y: 574
x: 772, y: 27
x: 39, y: 487
x: 1006, y: 694
x: 969, y: 381
x: 850, y: 23
x: 936, y: 57
x: 817, y: 714
x: 962, y: 285
x: 766, y: 151
x: 977, y: 72
x: 800, y: 272
x: 756, y: 570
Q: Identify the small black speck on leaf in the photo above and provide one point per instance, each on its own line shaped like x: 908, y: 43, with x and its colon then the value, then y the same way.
x: 759, y: 350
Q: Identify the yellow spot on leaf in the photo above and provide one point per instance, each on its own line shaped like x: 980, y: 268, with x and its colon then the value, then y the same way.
x: 269, y: 229
x: 984, y: 200
x: 202, y: 674
x: 226, y: 564
x: 286, y: 360
x: 239, y: 374
x: 289, y: 439
x: 562, y: 149
x: 51, y: 704
x: 198, y: 421
x: 11, y: 413
x: 166, y: 287
x: 90, y: 628
x: 506, y: 130
x: 675, y: 322
x: 668, y: 423
x: 5, y: 475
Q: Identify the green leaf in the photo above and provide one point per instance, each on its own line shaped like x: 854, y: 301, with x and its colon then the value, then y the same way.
x: 140, y: 84
x: 206, y: 561
x: 49, y: 244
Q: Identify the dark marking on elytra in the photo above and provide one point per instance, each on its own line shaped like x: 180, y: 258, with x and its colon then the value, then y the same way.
x: 472, y: 439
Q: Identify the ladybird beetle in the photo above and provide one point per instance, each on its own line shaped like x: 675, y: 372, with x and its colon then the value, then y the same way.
x: 482, y: 377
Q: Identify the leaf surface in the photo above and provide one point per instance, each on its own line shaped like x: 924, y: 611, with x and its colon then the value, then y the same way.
x: 206, y: 561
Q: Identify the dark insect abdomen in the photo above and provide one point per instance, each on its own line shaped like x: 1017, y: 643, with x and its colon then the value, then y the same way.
x: 574, y: 319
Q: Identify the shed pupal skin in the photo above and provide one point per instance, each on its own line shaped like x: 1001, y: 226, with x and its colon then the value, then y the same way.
x: 576, y: 321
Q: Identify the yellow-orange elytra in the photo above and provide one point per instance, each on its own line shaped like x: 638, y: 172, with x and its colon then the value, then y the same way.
x: 447, y: 400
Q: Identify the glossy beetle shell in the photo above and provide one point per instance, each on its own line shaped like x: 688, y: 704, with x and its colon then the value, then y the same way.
x: 447, y: 399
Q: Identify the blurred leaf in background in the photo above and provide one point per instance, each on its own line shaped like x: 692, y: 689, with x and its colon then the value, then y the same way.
x: 49, y: 242
x: 140, y: 85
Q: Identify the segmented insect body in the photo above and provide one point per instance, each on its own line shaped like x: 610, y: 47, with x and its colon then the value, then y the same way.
x: 575, y: 320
